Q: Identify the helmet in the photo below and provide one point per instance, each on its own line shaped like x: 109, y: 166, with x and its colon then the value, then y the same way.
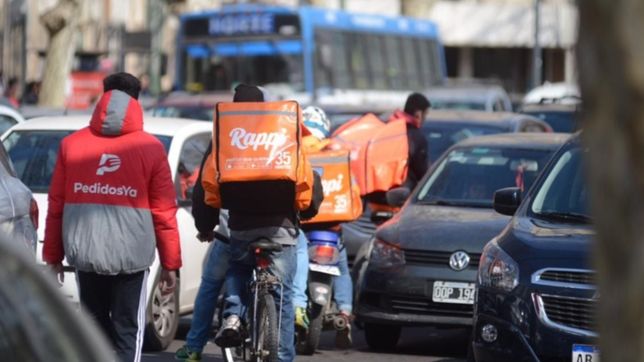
x: 316, y: 121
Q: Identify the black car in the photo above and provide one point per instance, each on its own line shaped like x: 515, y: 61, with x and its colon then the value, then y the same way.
x: 420, y: 268
x: 443, y: 128
x: 536, y: 291
x: 562, y: 117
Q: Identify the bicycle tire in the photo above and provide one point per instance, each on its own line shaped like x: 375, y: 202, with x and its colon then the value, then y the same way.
x: 267, y: 345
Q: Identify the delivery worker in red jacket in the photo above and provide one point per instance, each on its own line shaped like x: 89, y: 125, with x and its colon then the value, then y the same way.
x: 111, y: 204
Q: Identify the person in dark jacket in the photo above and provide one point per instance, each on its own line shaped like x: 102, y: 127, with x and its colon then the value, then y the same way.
x: 271, y: 215
x: 415, y: 111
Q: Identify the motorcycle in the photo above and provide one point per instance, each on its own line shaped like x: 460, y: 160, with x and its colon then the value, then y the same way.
x: 324, y: 250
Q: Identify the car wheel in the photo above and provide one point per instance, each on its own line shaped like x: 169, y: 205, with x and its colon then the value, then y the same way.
x: 381, y: 337
x: 162, y: 317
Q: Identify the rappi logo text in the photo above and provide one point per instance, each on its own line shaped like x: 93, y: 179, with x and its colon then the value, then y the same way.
x: 105, y: 189
x: 332, y: 185
x: 242, y: 139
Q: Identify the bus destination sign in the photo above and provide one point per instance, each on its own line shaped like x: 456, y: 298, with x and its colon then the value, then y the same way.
x: 242, y: 25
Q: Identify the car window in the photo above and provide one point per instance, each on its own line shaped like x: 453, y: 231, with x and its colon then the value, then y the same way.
x: 6, y: 122
x: 530, y: 126
x: 498, y: 106
x: 441, y: 136
x: 198, y: 113
x: 457, y: 104
x: 564, y: 191
x: 559, y: 121
x: 192, y: 152
x: 34, y: 153
x: 470, y: 176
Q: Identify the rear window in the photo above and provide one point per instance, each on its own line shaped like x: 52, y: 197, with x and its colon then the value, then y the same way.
x: 198, y: 113
x: 442, y: 135
x: 34, y: 153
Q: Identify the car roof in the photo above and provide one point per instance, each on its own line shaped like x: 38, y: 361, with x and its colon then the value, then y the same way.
x: 551, y: 107
x: 154, y: 125
x: 11, y: 112
x: 467, y: 116
x: 523, y: 140
x: 474, y: 92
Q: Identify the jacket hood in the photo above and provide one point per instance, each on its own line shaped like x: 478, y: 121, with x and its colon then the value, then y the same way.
x: 398, y: 114
x: 116, y: 114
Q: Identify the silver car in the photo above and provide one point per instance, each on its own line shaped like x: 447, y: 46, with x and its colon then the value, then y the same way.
x: 18, y: 209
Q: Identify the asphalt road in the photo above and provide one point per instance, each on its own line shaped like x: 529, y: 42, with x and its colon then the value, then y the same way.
x: 416, y: 344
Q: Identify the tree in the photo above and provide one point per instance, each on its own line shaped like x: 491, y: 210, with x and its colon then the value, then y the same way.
x: 611, y: 64
x: 61, y: 23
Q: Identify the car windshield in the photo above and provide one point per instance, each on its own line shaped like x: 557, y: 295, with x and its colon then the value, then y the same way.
x: 442, y: 135
x: 559, y: 121
x: 470, y: 176
x: 563, y: 195
x: 34, y: 153
x: 198, y: 113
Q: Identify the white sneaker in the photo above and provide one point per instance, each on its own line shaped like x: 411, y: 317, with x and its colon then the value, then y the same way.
x: 229, y: 334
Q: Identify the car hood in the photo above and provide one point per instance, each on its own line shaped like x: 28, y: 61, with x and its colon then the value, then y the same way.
x: 442, y: 228
x: 533, y: 239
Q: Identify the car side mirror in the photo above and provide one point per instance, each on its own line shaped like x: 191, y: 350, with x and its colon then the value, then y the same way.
x: 379, y: 217
x: 507, y: 200
x: 397, y: 197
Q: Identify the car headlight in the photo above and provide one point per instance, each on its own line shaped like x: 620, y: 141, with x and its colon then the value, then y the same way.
x: 497, y: 269
x: 386, y: 255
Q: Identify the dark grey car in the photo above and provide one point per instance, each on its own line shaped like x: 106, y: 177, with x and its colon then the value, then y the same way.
x: 421, y: 266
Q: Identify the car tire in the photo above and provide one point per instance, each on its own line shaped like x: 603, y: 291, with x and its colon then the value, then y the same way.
x: 381, y: 337
x: 162, y: 316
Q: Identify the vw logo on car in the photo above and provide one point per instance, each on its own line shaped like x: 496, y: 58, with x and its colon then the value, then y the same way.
x: 459, y: 260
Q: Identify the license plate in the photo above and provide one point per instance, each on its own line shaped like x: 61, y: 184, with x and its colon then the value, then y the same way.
x: 326, y: 269
x: 584, y: 353
x: 453, y: 292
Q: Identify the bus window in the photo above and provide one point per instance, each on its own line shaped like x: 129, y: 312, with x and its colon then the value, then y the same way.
x: 377, y: 68
x: 394, y: 66
x: 425, y: 62
x: 340, y: 69
x: 436, y: 71
x: 323, y: 59
x: 411, y: 65
x: 357, y: 61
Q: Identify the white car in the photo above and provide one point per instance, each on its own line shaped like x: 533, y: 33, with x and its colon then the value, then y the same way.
x: 33, y: 148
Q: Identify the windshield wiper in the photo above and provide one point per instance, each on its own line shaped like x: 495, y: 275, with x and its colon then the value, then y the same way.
x: 443, y: 202
x: 567, y: 216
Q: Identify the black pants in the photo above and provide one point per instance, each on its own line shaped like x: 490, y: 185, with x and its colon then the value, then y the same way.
x: 117, y: 303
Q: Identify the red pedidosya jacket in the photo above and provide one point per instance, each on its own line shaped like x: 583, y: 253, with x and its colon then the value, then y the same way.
x: 112, y: 201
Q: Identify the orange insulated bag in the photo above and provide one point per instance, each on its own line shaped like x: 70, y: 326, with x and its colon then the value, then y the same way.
x: 339, y: 204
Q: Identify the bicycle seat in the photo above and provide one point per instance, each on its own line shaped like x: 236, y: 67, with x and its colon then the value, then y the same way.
x: 265, y: 245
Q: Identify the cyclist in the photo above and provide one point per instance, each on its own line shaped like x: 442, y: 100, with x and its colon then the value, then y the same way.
x: 272, y: 215
x: 214, y: 271
x: 317, y: 122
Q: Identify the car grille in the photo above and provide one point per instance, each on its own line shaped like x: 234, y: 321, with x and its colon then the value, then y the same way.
x: 424, y: 306
x: 569, y: 276
x: 425, y: 257
x: 570, y: 312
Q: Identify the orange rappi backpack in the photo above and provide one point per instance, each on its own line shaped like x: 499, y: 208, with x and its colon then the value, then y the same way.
x: 340, y: 202
x: 257, y: 164
x: 379, y: 152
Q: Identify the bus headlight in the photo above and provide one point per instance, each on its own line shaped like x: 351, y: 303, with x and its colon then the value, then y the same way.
x: 497, y: 269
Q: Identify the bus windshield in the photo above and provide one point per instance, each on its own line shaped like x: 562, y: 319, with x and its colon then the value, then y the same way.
x: 222, y: 73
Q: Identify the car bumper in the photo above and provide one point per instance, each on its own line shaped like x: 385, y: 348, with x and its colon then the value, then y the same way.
x: 403, y: 296
x: 521, y: 335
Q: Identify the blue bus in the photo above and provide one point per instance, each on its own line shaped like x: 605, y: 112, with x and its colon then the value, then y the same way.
x: 306, y: 50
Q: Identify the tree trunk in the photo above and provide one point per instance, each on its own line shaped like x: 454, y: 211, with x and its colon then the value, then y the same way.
x: 61, y: 23
x: 611, y: 59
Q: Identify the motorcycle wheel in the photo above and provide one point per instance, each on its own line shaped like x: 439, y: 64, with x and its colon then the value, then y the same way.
x: 310, y: 343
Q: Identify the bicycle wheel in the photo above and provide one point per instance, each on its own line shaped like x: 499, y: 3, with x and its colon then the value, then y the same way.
x: 266, y: 345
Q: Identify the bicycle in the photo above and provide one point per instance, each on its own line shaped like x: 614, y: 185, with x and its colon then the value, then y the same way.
x: 261, y: 337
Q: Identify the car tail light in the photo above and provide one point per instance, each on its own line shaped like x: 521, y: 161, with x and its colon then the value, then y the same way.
x: 33, y: 213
